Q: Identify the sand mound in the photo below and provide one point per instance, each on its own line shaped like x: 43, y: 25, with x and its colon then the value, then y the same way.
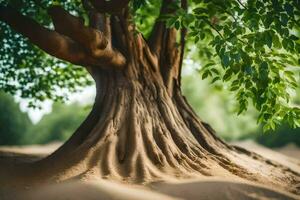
x: 92, y: 190
x: 287, y: 158
x: 40, y: 150
x: 207, y: 189
x: 291, y: 150
x: 221, y: 189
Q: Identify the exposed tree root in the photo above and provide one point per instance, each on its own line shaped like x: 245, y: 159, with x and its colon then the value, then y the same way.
x: 142, y: 135
x: 141, y: 129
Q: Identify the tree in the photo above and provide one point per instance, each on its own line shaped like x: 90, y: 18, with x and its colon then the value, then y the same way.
x: 279, y: 138
x: 13, y: 123
x: 57, y: 125
x: 141, y: 127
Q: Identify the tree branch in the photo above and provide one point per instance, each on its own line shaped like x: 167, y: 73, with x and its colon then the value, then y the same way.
x: 96, y: 20
x: 241, y: 4
x: 111, y: 7
x: 60, y: 45
x: 92, y: 39
x: 162, y: 42
x: 74, y: 28
x: 50, y: 41
x: 157, y: 35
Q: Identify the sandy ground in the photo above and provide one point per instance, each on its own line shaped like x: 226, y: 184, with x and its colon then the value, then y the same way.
x: 290, y: 150
x: 208, y: 188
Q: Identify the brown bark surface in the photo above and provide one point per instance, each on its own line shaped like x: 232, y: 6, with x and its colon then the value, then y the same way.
x: 141, y: 128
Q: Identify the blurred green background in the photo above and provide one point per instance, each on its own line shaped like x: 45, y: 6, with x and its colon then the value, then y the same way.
x: 213, y: 103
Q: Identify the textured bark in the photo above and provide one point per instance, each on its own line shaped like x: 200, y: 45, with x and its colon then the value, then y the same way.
x: 141, y: 127
x: 138, y: 131
x: 96, y: 42
x: 72, y: 41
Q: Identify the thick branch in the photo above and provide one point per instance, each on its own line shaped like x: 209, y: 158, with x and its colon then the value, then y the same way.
x: 74, y: 28
x: 92, y: 39
x: 50, y: 41
x: 156, y: 37
x: 97, y: 20
x: 56, y: 44
x: 169, y: 58
x: 162, y: 42
x: 162, y: 38
x: 112, y: 6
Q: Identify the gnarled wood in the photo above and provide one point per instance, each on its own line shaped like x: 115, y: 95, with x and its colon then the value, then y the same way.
x: 50, y: 41
x: 141, y: 128
x: 158, y: 35
x: 93, y: 40
x: 162, y: 42
x: 63, y: 46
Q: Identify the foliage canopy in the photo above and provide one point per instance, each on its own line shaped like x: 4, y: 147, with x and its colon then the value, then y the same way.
x: 251, y: 46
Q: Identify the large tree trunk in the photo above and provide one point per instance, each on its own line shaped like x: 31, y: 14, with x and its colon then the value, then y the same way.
x: 142, y: 129
x: 139, y: 130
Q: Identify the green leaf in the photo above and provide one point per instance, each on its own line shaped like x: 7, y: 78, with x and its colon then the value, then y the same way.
x: 242, y: 108
x: 268, y: 39
x: 177, y: 25
x: 293, y: 37
x: 285, y: 44
x: 246, y: 58
x: 268, y: 20
x: 264, y: 65
x: 225, y: 60
x: 214, y: 70
x: 202, y: 35
x: 227, y: 75
x: 205, y: 74
x: 259, y: 5
x: 208, y: 65
x: 289, y: 9
x: 284, y: 19
x: 234, y: 88
x: 170, y: 22
x: 215, y: 79
x: 276, y: 41
x: 266, y: 128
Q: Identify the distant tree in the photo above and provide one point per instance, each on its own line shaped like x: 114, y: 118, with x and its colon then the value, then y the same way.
x: 141, y: 127
x: 280, y: 137
x: 58, y: 125
x: 13, y: 122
